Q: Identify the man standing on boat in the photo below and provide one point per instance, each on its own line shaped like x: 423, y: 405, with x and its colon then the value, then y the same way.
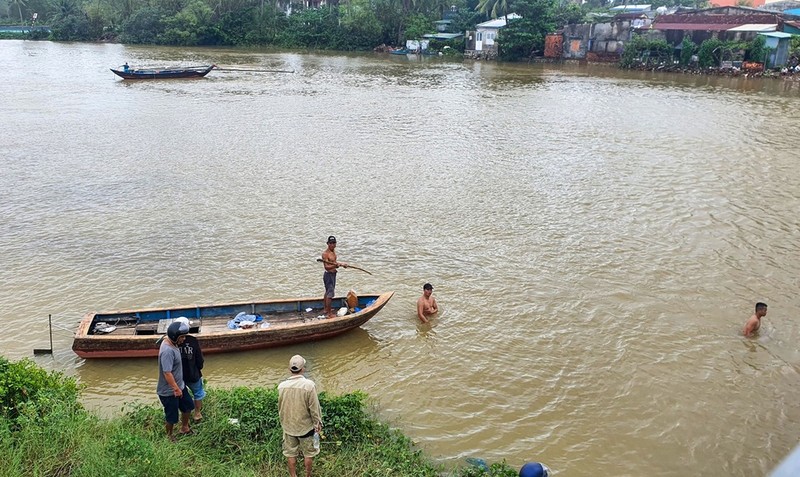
x: 171, y: 389
x: 300, y: 416
x: 329, y: 276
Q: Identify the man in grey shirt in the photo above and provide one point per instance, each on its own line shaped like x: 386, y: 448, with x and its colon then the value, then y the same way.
x: 171, y: 389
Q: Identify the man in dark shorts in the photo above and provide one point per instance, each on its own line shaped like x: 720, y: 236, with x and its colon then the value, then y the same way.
x: 171, y: 389
x: 329, y: 276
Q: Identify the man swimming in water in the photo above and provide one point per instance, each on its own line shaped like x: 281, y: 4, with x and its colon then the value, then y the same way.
x: 754, y: 322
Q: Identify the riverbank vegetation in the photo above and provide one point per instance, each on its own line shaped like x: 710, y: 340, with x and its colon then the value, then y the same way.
x: 44, y: 430
x: 712, y: 56
x: 344, y: 26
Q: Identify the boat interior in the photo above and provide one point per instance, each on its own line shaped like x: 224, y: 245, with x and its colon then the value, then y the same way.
x: 215, y: 319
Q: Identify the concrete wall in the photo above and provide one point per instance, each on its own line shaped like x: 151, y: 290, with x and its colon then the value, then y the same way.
x: 603, y: 39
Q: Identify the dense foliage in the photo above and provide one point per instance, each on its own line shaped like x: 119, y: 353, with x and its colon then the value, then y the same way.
x: 27, y: 391
x: 639, y: 50
x: 45, y: 431
x: 340, y: 25
x: 711, y: 53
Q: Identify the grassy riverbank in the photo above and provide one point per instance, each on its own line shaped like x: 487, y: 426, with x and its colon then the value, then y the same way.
x: 45, y: 431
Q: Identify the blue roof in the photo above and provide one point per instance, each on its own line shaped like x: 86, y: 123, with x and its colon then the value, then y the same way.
x: 793, y: 11
x: 777, y: 34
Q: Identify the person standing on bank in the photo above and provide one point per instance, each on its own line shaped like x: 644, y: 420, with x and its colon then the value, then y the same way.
x: 171, y: 389
x: 300, y: 416
x: 329, y: 276
x: 754, y: 322
x: 192, y: 359
x: 426, y: 305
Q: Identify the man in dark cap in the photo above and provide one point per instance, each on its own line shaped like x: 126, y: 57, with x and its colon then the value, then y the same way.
x: 171, y: 389
x: 426, y: 305
x: 329, y: 276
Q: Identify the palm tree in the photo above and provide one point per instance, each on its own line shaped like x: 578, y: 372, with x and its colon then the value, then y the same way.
x: 20, y: 4
x: 494, y: 8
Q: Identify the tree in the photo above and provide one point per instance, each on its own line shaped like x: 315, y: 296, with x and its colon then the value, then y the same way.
x: 493, y: 8
x: 522, y: 37
x: 19, y: 4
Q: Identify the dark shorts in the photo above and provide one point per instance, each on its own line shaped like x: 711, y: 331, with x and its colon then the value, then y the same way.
x: 172, y: 404
x: 329, y: 279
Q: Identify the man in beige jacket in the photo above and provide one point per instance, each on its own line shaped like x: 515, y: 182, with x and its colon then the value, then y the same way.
x: 300, y: 415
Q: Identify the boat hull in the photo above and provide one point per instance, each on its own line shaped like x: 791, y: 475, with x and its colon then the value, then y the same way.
x: 166, y: 73
x: 287, y: 323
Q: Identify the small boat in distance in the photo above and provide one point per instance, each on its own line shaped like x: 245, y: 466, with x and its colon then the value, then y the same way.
x: 127, y: 72
x: 221, y: 328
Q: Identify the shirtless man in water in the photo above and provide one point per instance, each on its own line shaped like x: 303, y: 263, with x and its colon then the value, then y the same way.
x: 754, y: 322
x: 329, y: 277
x: 426, y: 305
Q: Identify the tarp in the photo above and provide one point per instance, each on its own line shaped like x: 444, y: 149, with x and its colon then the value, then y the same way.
x: 756, y: 27
x: 695, y: 26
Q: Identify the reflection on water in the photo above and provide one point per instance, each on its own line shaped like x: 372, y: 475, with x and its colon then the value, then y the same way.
x: 596, y: 239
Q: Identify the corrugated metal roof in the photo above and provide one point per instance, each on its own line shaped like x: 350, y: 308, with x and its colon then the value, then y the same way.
x: 777, y: 34
x: 497, y: 22
x: 442, y: 36
x: 755, y: 27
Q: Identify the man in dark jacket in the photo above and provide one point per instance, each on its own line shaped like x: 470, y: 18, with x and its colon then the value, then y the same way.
x: 192, y: 360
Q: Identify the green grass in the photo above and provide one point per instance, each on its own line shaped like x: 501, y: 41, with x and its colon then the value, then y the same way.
x: 44, y: 431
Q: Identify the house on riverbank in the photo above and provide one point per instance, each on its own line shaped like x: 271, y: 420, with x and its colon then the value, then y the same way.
x: 481, y: 43
x: 605, y: 41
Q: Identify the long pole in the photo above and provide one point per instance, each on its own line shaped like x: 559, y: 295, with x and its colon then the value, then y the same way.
x: 348, y: 265
x: 254, y: 70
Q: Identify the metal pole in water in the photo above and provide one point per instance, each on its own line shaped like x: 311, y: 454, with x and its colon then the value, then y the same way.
x: 50, y: 350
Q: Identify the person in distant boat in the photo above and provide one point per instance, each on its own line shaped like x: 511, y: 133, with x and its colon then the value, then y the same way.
x: 300, y: 415
x: 329, y: 276
x: 126, y: 67
x: 171, y: 389
x: 754, y: 322
x: 426, y: 305
x: 192, y: 360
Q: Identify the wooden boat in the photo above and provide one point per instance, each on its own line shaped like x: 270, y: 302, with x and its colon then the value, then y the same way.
x: 135, y: 333
x: 164, y: 73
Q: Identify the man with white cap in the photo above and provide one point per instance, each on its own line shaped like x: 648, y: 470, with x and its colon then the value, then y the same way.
x: 300, y: 416
x: 193, y: 361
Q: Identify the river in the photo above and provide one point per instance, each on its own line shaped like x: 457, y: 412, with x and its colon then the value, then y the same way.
x: 596, y: 240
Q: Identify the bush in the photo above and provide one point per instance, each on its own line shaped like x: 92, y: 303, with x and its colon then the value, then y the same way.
x: 641, y: 51
x: 26, y: 388
x: 709, y: 53
x: 687, y: 50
